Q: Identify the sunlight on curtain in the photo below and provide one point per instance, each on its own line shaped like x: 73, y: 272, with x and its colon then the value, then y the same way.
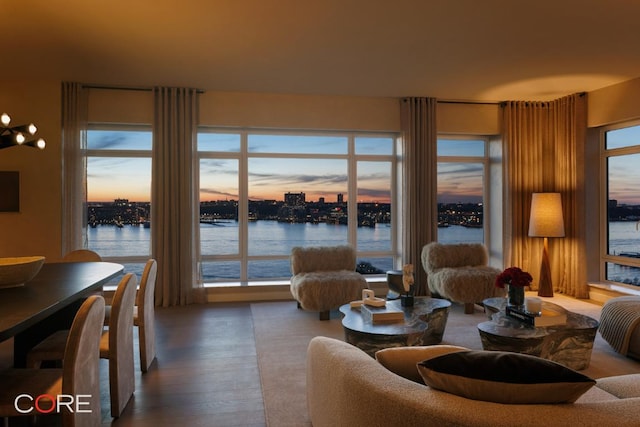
x: 419, y: 182
x: 174, y: 222
x: 544, y: 152
x: 74, y: 182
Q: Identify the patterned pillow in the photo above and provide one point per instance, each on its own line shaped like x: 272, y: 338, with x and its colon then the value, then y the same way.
x: 504, y: 377
x: 403, y: 361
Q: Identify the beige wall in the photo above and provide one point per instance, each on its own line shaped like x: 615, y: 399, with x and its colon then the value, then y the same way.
x: 36, y: 228
x: 614, y: 104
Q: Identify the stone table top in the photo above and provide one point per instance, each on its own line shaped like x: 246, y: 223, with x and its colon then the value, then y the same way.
x: 423, y: 324
x: 569, y: 344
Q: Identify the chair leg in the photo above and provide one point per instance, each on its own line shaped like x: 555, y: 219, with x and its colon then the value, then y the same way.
x: 468, y: 308
x: 324, y: 315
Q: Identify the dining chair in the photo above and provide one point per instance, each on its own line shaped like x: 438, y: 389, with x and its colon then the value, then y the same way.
x: 116, y: 345
x: 144, y: 315
x: 79, y: 377
x: 82, y: 255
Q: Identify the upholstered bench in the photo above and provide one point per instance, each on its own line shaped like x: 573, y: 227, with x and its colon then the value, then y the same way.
x: 620, y: 325
x: 324, y: 278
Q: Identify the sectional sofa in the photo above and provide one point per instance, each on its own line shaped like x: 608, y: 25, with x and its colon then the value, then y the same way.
x: 346, y: 387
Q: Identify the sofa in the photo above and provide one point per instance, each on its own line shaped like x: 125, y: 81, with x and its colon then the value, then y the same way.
x: 347, y: 387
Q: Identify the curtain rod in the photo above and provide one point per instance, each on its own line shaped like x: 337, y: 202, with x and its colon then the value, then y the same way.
x: 133, y: 88
x: 446, y: 101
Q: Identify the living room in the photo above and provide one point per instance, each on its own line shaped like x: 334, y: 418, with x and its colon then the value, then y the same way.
x: 337, y: 90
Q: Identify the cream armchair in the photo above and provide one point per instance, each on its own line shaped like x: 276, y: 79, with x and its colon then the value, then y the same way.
x: 459, y: 273
x: 324, y: 278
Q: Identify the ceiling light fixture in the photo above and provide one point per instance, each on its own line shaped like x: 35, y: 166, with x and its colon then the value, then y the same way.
x: 17, y: 135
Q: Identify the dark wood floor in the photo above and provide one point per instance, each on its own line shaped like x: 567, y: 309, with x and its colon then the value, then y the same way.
x: 206, y: 373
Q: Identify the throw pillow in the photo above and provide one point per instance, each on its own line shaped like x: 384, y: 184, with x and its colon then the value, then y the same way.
x: 504, y: 377
x: 403, y: 360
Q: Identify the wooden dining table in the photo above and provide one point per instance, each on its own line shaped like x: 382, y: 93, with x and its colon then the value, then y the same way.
x: 49, y: 302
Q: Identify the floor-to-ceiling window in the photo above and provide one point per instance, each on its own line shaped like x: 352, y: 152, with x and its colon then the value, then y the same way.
x: 621, y: 204
x: 462, y: 189
x: 118, y: 162
x: 264, y: 192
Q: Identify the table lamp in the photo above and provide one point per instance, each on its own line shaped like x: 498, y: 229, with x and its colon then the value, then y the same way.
x: 546, y: 221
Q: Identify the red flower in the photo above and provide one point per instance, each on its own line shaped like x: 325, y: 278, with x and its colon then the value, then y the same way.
x: 513, y: 276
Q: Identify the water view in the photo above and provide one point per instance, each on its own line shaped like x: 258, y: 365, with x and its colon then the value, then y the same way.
x: 269, y: 238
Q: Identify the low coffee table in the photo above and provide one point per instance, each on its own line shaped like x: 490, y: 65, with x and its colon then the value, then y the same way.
x: 569, y: 344
x: 423, y: 324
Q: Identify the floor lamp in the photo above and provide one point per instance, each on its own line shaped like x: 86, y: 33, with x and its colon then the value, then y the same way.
x: 546, y: 221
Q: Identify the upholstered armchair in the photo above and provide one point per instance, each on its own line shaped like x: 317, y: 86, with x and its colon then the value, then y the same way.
x: 324, y: 278
x: 459, y: 273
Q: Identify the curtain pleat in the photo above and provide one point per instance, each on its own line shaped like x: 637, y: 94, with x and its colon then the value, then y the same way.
x: 419, y: 179
x: 174, y: 208
x: 74, y: 179
x: 544, y: 152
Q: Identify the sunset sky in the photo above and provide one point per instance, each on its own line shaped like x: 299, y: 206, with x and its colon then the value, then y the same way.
x: 130, y: 177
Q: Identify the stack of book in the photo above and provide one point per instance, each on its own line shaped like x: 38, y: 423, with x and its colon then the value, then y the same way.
x: 548, y: 316
x: 384, y: 314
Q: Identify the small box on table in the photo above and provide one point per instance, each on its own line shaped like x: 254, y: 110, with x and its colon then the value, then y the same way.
x: 548, y: 317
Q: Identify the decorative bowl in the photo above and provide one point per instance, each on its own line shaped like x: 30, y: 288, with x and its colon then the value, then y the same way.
x: 16, y: 271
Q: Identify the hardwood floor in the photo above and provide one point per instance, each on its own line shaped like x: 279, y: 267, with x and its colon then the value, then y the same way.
x: 206, y: 373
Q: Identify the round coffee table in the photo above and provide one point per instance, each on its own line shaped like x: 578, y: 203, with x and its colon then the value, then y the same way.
x: 569, y: 344
x: 423, y: 324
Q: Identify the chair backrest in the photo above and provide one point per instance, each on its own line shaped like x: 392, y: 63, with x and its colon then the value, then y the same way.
x: 81, y: 373
x: 121, y: 320
x: 322, y: 258
x: 146, y: 293
x: 438, y: 255
x: 82, y: 255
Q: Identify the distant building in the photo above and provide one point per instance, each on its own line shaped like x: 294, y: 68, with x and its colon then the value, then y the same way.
x: 340, y: 198
x: 321, y: 200
x: 294, y: 199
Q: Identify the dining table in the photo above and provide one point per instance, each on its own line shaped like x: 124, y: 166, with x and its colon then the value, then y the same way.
x: 49, y: 302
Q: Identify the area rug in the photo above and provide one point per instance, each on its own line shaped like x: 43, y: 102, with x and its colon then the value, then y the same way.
x: 282, y: 334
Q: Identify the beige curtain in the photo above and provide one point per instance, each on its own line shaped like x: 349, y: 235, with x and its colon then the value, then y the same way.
x: 74, y: 179
x: 174, y: 204
x: 544, y: 152
x: 419, y: 182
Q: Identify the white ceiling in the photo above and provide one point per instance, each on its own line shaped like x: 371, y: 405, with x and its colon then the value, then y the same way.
x: 475, y: 50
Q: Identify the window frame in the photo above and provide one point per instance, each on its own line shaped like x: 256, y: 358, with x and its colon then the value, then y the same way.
x: 352, y: 160
x: 96, y: 126
x: 485, y: 160
x: 605, y: 154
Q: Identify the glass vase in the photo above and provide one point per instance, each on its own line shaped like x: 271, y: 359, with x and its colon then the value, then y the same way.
x: 515, y: 296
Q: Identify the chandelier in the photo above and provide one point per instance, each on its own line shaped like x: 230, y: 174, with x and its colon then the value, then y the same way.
x: 18, y: 135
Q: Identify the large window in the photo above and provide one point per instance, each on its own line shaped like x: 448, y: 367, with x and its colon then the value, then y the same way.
x: 621, y: 230
x: 462, y: 166
x: 262, y: 193
x: 118, y: 194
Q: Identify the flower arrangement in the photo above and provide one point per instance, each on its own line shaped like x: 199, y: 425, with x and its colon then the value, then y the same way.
x: 513, y: 276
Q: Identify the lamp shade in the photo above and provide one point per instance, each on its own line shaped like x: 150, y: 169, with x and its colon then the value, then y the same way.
x: 546, y: 215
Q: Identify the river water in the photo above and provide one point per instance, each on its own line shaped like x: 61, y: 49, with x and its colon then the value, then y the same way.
x: 277, y: 238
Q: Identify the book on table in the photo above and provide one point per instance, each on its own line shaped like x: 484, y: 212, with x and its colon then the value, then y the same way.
x: 548, y: 316
x: 384, y: 314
